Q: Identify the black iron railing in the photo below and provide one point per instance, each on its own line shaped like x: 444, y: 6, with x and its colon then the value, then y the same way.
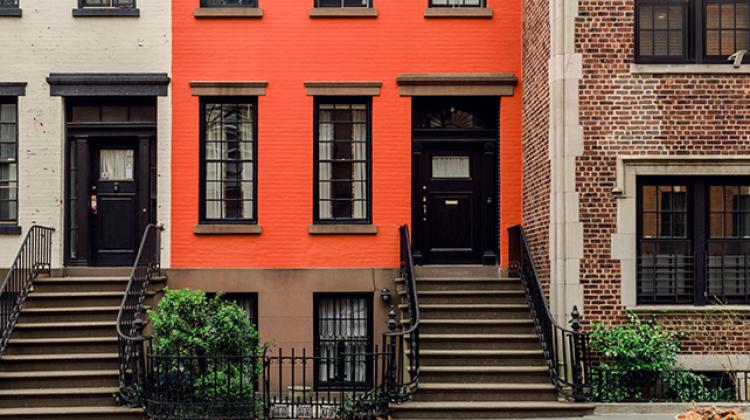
x: 34, y: 257
x: 670, y: 386
x: 566, y: 350
x: 130, y: 320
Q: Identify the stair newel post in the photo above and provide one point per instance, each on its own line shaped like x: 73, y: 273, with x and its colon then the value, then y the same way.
x: 576, y: 359
x: 392, y: 358
x: 139, y: 356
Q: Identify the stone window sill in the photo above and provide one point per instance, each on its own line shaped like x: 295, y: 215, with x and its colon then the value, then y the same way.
x: 10, y: 230
x: 106, y: 12
x: 219, y: 229
x: 687, y: 309
x: 458, y: 12
x: 10, y: 12
x: 343, y: 12
x: 342, y: 229
x: 688, y: 69
x: 228, y: 12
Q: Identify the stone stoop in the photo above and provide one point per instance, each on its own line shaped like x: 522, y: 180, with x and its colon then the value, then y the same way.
x: 62, y: 358
x: 480, y: 355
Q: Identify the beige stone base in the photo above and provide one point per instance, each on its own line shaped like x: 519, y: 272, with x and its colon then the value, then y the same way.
x: 285, y: 296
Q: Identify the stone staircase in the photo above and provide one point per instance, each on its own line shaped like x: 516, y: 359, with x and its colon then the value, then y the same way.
x: 61, y: 360
x: 480, y: 356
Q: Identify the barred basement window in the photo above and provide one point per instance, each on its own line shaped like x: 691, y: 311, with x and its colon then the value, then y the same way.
x: 229, y: 3
x: 343, y: 3
x: 458, y: 3
x: 228, y: 169
x: 8, y: 160
x: 343, y: 337
x: 342, y: 155
x: 248, y: 302
x: 691, y: 31
x: 694, y: 240
x: 124, y: 4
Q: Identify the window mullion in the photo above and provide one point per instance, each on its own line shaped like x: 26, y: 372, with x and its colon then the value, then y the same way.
x: 698, y: 30
x: 699, y: 225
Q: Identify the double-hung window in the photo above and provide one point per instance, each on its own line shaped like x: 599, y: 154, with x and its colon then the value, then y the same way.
x: 342, y: 160
x: 694, y: 240
x: 343, y: 3
x: 228, y: 165
x: 123, y: 4
x: 343, y: 340
x: 8, y: 160
x: 458, y: 3
x: 229, y: 3
x: 691, y: 31
x: 9, y: 4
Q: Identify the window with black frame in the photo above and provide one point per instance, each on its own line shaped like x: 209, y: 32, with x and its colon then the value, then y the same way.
x: 458, y: 3
x: 694, y: 241
x: 229, y: 3
x: 228, y: 164
x: 691, y: 31
x: 11, y: 4
x: 122, y: 4
x: 343, y: 3
x: 342, y: 156
x: 8, y: 160
x: 343, y: 340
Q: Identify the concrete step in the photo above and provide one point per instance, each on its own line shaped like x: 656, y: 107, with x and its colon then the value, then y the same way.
x: 427, y: 284
x: 76, y: 299
x: 475, y: 326
x: 59, y: 362
x: 457, y: 271
x: 485, y: 374
x: 472, y: 311
x: 479, y: 341
x: 58, y: 397
x: 470, y: 296
x: 93, y: 272
x: 69, y: 314
x: 482, y: 357
x: 73, y: 413
x: 88, y: 284
x: 65, y: 329
x: 454, y: 391
x: 59, y: 379
x: 489, y: 410
x: 27, y: 346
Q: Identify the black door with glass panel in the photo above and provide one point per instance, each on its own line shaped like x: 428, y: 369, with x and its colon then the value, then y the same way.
x: 448, y: 209
x: 114, y: 202
x: 455, y: 180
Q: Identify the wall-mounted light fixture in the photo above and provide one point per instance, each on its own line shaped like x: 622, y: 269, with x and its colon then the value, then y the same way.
x: 385, y: 295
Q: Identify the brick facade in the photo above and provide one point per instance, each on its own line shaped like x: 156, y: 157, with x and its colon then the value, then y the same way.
x: 627, y: 113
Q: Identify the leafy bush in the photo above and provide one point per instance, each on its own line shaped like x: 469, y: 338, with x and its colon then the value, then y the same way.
x: 638, y: 361
x: 206, y: 355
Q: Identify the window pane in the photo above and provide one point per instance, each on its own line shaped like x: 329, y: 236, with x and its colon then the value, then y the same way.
x: 342, y: 161
x: 726, y: 25
x: 450, y: 167
x: 343, y: 340
x: 229, y: 151
x: 116, y: 165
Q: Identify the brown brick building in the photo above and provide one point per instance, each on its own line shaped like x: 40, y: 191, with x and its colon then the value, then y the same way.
x: 637, y: 165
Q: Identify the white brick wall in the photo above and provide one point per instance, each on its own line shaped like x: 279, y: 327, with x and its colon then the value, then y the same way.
x: 48, y: 39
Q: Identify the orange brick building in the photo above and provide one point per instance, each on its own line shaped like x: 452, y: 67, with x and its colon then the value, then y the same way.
x: 305, y: 136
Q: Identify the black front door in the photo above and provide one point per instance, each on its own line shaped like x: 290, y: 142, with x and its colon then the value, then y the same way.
x: 449, y: 203
x: 114, y: 202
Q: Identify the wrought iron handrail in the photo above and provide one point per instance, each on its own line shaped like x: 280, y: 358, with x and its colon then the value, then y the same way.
x: 34, y: 256
x: 403, y: 379
x: 130, y: 324
x: 566, y: 350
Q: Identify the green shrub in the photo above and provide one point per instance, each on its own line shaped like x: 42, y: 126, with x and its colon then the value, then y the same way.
x: 638, y: 361
x: 196, y: 343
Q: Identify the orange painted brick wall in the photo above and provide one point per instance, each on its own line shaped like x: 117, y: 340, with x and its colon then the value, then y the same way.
x: 286, y: 48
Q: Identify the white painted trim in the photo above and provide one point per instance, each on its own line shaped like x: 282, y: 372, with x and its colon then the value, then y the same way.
x: 624, y: 240
x: 688, y: 69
